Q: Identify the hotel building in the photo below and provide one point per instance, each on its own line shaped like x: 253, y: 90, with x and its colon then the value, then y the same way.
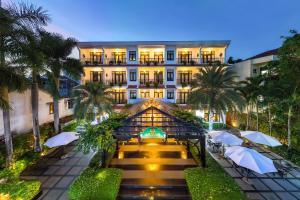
x: 138, y: 70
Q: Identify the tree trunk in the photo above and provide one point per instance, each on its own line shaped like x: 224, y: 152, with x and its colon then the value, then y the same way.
x: 35, y: 114
x: 56, y: 108
x: 210, y: 121
x: 247, y: 123
x: 7, y: 132
x: 289, y: 126
x: 257, y: 126
x: 270, y: 119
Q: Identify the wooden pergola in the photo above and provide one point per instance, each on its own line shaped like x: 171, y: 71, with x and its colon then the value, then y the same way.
x: 171, y: 125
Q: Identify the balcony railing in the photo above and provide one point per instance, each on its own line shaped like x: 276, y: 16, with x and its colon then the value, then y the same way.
x: 151, y: 61
x: 115, y: 61
x: 181, y: 101
x: 184, y: 81
x: 116, y: 82
x: 90, y: 61
x: 152, y: 83
x: 199, y: 61
x: 212, y: 60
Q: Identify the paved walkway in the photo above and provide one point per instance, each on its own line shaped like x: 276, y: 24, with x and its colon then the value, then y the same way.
x: 153, y: 171
x: 57, y: 174
x: 267, y: 186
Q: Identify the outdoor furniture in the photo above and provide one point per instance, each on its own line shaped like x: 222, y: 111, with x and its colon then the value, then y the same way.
x: 225, y: 138
x: 283, y: 168
x: 260, y: 138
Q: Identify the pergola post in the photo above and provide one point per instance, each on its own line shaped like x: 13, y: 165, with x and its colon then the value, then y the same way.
x: 202, y: 150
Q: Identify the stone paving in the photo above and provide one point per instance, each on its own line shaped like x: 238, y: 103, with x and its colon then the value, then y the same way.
x: 264, y: 186
x: 56, y: 174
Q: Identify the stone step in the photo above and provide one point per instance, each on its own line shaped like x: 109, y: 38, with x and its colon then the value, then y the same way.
x: 152, y: 147
x: 161, y: 161
x: 152, y: 154
x: 152, y: 167
x: 142, y: 174
x: 151, y: 182
x: 153, y: 193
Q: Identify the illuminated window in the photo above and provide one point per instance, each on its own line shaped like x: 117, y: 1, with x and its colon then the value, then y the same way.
x: 216, y: 117
x: 145, y: 94
x: 158, y: 94
x: 132, y: 55
x: 170, y: 55
x: 51, y: 108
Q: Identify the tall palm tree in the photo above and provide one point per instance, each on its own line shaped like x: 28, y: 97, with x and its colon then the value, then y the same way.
x: 33, y: 59
x: 253, y: 87
x: 91, y: 99
x: 214, y: 88
x: 247, y: 96
x: 16, y: 22
x: 56, y: 50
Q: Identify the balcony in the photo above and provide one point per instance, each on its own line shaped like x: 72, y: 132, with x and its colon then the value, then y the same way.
x: 150, y: 83
x: 120, y: 101
x: 199, y: 61
x: 91, y: 62
x: 184, y: 82
x: 151, y: 61
x: 116, y: 82
x: 181, y: 101
x: 210, y: 61
x: 115, y: 61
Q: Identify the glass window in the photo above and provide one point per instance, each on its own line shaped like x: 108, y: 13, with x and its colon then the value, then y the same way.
x: 132, y: 55
x: 51, y: 108
x: 70, y: 103
x: 170, y: 75
x: 132, y: 94
x: 216, y: 117
x: 158, y: 94
x: 132, y: 74
x: 170, y: 55
x: 254, y: 71
x: 170, y: 94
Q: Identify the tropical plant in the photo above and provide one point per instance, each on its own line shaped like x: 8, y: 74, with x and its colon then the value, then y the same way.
x: 56, y: 50
x: 251, y: 90
x: 214, y: 88
x: 92, y: 99
x: 16, y: 22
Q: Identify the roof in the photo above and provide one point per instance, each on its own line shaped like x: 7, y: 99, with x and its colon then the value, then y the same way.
x: 264, y: 54
x: 119, y: 44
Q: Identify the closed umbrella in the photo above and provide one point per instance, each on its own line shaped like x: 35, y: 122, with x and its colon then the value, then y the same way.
x: 250, y: 159
x: 225, y: 138
x: 61, y: 139
x: 260, y: 138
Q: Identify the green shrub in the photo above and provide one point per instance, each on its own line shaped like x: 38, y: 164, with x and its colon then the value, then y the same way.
x: 71, y: 127
x: 215, y: 126
x: 188, y: 117
x: 17, y: 190
x: 102, y: 184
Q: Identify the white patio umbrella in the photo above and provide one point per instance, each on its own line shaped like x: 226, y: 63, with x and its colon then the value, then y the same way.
x: 61, y: 139
x: 225, y: 138
x: 260, y: 138
x: 250, y: 159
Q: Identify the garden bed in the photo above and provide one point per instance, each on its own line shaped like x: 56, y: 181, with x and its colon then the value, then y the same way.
x: 211, y: 182
x: 95, y: 183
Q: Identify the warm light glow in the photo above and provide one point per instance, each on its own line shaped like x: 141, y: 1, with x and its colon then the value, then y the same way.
x: 152, y: 144
x: 121, y: 155
x: 183, y: 155
x: 152, y: 167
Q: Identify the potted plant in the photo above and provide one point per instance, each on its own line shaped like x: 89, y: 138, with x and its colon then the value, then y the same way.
x: 183, y: 84
x: 192, y: 62
x: 156, y: 84
x: 147, y: 84
x: 184, y: 62
x: 120, y: 84
x: 111, y: 62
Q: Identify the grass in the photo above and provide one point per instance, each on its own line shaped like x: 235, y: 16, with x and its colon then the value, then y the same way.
x: 212, y: 182
x: 19, y: 190
x: 95, y: 183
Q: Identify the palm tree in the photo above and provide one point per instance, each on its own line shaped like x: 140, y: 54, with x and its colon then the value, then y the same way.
x: 214, y: 88
x: 16, y: 22
x: 56, y: 50
x: 253, y: 87
x: 92, y: 99
x: 247, y: 96
x: 33, y: 59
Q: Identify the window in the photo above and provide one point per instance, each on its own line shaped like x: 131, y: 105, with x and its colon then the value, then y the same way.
x: 158, y: 94
x: 215, y: 118
x: 132, y: 55
x: 254, y: 71
x: 96, y: 76
x: 145, y: 94
x: 132, y: 75
x: 170, y: 55
x: 132, y: 94
x: 51, y: 108
x: 70, y: 103
x: 170, y: 94
x: 170, y: 75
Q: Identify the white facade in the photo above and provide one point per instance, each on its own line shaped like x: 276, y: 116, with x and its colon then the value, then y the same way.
x: 144, y: 70
x: 21, y: 115
x: 253, y: 66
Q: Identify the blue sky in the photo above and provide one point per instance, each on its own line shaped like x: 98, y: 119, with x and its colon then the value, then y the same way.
x: 252, y: 26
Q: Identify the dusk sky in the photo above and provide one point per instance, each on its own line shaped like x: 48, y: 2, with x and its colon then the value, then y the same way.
x: 252, y: 26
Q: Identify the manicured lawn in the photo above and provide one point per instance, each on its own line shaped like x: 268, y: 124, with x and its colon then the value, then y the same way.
x: 93, y: 184
x: 212, y: 183
x: 18, y: 189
